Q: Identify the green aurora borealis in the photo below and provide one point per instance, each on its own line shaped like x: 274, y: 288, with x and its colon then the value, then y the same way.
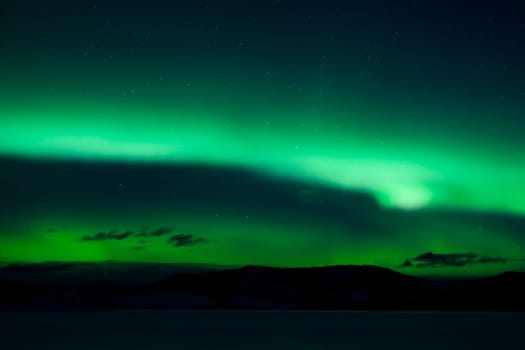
x: 415, y: 109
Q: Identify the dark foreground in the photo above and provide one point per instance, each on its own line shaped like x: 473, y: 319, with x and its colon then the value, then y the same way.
x: 261, y: 330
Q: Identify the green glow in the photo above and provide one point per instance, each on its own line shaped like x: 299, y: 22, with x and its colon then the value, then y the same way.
x: 240, y: 240
x: 398, y: 173
x: 424, y: 116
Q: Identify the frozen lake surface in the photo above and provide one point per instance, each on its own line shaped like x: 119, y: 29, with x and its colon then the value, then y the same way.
x: 270, y: 330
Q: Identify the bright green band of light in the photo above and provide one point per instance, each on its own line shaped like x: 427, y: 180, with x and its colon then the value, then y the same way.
x: 399, y: 172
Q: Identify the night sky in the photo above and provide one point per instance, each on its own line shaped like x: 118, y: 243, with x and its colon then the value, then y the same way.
x: 275, y: 132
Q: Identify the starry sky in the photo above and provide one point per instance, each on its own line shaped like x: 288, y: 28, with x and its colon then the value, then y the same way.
x: 269, y: 132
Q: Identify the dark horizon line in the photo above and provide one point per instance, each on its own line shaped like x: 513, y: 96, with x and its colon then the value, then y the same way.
x: 219, y: 267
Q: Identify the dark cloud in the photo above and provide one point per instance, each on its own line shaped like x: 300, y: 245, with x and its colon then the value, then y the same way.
x: 115, y: 235
x: 407, y: 263
x: 184, y: 240
x: 162, y: 231
x: 108, y: 236
x: 430, y: 259
x: 490, y: 260
x: 148, y: 232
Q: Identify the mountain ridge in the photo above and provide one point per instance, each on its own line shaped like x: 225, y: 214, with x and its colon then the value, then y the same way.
x: 337, y: 287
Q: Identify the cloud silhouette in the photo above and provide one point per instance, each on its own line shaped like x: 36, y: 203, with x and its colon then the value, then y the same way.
x: 115, y: 235
x: 108, y: 236
x: 407, y: 263
x: 161, y: 231
x: 184, y: 240
x: 431, y: 260
x: 490, y: 260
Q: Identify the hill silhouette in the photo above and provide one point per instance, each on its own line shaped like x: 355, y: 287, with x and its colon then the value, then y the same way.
x: 346, y: 287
